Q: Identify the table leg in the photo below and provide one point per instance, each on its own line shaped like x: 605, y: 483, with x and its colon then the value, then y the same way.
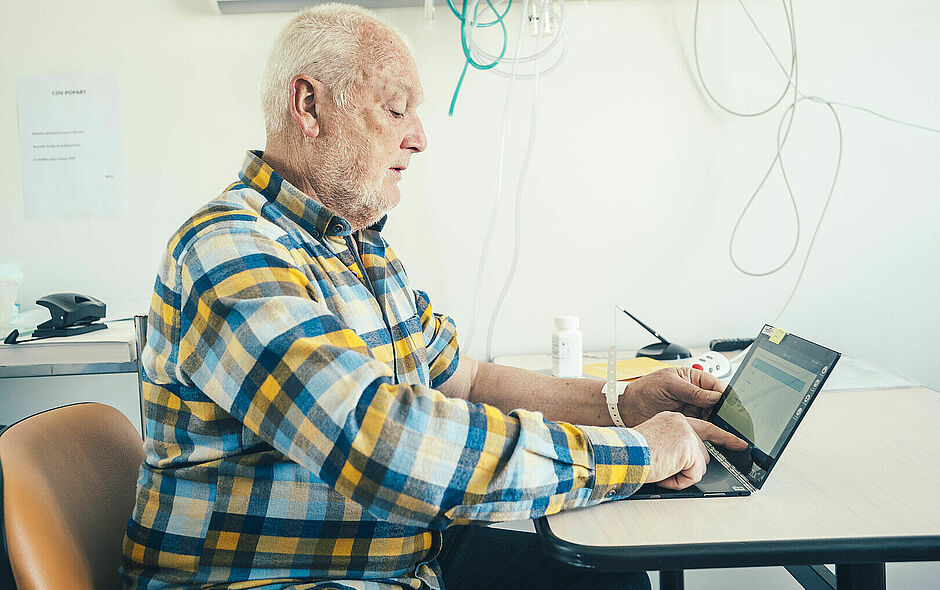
x: 813, y: 577
x: 671, y: 580
x: 860, y: 576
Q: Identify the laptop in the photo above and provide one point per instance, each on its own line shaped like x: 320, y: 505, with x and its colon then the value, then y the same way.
x: 763, y: 404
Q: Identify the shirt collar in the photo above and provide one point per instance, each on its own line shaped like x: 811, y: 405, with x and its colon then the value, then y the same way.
x: 299, y: 207
x: 378, y: 225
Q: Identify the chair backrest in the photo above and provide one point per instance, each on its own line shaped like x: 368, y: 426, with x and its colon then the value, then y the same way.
x: 68, y: 483
x: 140, y: 329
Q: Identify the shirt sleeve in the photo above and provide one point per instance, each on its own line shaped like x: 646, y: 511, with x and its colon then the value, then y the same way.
x: 255, y: 342
x: 440, y: 336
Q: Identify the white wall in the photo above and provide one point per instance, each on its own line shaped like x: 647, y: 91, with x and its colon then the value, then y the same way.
x: 633, y: 168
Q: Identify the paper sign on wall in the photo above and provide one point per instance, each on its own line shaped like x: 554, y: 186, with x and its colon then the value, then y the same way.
x: 71, y: 146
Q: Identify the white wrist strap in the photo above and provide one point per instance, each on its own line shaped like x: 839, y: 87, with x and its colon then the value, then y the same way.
x: 612, y: 398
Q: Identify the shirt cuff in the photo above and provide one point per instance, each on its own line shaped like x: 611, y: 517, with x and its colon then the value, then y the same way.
x: 447, y: 373
x: 621, y: 461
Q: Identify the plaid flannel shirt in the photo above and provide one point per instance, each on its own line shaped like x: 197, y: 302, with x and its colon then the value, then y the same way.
x: 296, y: 435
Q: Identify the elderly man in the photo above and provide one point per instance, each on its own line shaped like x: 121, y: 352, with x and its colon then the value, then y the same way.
x: 312, y: 423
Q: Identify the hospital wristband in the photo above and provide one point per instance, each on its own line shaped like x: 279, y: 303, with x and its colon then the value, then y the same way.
x: 613, y: 397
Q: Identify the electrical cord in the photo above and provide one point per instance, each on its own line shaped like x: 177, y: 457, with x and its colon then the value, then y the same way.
x: 788, y: 115
x: 465, y: 46
x: 831, y: 106
x: 792, y: 82
x: 817, y: 99
x: 885, y: 117
x: 560, y: 37
x: 822, y: 215
x: 497, y: 199
x: 516, y: 242
x: 499, y: 17
x: 538, y: 54
x: 563, y: 54
x: 544, y: 7
x: 790, y: 76
x: 479, y: 58
x: 798, y: 96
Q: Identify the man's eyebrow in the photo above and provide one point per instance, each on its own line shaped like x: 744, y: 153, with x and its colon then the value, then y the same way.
x: 411, y: 91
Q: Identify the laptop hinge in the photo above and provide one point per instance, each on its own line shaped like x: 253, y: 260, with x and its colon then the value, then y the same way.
x: 731, y: 468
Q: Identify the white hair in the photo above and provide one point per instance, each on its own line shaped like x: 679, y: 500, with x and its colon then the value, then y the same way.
x: 325, y: 42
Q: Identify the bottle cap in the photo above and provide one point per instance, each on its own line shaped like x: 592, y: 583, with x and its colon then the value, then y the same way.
x: 564, y: 322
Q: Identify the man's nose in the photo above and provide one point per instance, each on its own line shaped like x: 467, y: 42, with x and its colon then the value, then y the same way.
x: 415, y: 140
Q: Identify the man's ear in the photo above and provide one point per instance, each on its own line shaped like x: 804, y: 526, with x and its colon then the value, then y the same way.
x: 307, y: 97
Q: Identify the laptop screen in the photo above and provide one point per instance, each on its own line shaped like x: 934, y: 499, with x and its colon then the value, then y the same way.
x: 768, y: 396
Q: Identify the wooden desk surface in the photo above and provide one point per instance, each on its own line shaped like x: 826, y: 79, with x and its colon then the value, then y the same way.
x: 862, y: 464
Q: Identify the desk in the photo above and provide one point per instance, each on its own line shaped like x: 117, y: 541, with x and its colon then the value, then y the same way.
x: 857, y: 486
x: 106, y: 351
x: 98, y: 366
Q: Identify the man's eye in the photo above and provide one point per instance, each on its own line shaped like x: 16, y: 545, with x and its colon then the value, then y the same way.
x: 396, y: 114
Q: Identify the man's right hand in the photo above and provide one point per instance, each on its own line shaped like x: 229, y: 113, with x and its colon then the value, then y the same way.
x: 677, y: 456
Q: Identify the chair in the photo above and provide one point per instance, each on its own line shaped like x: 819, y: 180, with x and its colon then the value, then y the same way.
x: 68, y: 478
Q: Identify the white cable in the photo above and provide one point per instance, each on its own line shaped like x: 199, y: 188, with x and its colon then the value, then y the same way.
x: 831, y: 106
x: 782, y: 135
x: 792, y: 82
x: 879, y: 115
x: 790, y: 76
x: 497, y: 199
x: 513, y: 75
x: 560, y: 37
x: 822, y: 215
x: 480, y: 52
x: 520, y: 186
x: 817, y: 99
x: 557, y: 64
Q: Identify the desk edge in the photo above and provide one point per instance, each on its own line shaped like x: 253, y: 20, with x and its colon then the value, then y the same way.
x: 65, y: 369
x: 739, y: 553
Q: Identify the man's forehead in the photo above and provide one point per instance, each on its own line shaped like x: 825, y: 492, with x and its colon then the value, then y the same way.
x: 388, y: 61
x: 397, y: 78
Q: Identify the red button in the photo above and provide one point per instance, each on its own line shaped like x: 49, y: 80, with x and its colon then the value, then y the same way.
x: 698, y: 366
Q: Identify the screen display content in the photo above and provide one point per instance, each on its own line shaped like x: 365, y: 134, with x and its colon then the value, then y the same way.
x: 768, y: 396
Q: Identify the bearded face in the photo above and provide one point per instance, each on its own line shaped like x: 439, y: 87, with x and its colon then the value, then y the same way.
x: 364, y: 148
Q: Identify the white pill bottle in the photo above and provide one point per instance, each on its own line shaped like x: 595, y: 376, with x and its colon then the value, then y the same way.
x: 566, y: 347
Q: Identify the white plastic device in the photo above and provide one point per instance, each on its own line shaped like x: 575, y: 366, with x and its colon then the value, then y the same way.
x: 429, y: 13
x: 713, y: 362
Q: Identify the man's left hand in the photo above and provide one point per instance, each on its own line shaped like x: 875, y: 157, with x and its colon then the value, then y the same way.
x: 676, y: 389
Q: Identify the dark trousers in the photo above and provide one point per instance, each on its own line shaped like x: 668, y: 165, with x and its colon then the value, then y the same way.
x: 479, y: 557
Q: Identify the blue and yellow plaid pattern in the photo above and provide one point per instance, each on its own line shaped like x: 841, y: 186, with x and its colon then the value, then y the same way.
x: 297, y: 438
